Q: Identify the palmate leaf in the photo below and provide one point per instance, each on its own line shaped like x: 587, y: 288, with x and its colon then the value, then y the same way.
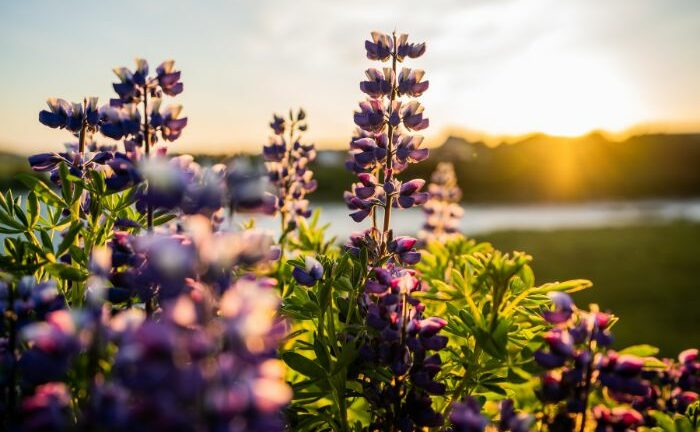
x: 41, y: 189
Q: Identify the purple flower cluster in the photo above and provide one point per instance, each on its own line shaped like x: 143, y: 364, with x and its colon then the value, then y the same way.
x: 400, y: 338
x: 406, y: 342
x: 287, y: 161
x: 673, y: 388
x: 191, y: 369
x: 206, y: 359
x: 383, y: 146
x: 466, y: 416
x: 442, y: 209
x: 168, y: 265
x: 616, y: 419
x: 571, y: 347
x: 122, y: 119
x: 71, y: 116
x: 578, y: 362
x: 311, y: 273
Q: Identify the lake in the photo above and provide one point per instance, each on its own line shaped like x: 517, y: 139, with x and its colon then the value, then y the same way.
x: 480, y: 219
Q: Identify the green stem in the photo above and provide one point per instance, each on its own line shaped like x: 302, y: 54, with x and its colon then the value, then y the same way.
x: 389, y: 154
x: 147, y: 146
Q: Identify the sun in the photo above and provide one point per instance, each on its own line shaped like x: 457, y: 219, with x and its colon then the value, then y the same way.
x: 565, y: 95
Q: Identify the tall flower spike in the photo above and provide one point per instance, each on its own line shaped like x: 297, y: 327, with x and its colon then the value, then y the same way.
x: 287, y: 160
x: 399, y: 335
x: 442, y: 210
x: 383, y: 145
x: 140, y: 121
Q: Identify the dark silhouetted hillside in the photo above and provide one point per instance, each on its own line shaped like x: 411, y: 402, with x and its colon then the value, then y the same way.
x: 554, y: 169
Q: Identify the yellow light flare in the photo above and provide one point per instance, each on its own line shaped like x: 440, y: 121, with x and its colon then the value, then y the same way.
x: 558, y: 95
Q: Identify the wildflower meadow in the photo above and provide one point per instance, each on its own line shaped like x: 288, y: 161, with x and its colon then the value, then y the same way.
x: 138, y: 295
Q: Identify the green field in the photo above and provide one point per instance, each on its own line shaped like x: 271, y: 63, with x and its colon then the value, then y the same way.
x: 647, y: 275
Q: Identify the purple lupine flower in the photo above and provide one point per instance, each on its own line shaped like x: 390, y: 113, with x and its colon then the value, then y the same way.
x: 78, y: 163
x: 408, y: 149
x: 563, y: 308
x: 132, y: 86
x: 381, y: 148
x: 412, y: 116
x: 381, y: 46
x: 121, y: 173
x: 386, y: 292
x: 310, y: 274
x: 578, y: 363
x: 123, y: 121
x: 205, y: 195
x: 371, y: 116
x: 119, y: 122
x: 617, y: 418
x: 35, y: 300
x: 53, y: 344
x: 48, y: 409
x: 622, y: 376
x: 379, y: 83
x: 70, y: 116
x: 410, y: 83
x: 512, y: 421
x: 169, y: 79
x: 367, y: 152
x: 166, y: 183
x: 409, y: 195
x: 276, y: 150
x: 247, y: 191
x: 173, y: 124
x: 466, y: 416
x: 278, y: 124
x: 689, y: 370
x: 404, y: 250
x: 57, y: 116
x: 405, y: 49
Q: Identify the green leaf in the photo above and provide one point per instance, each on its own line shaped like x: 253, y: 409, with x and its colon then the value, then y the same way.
x: 494, y: 388
x: 98, y: 183
x: 321, y: 354
x: 303, y: 365
x: 163, y: 218
x: 66, y: 272
x: 347, y: 355
x: 663, y: 421
x: 682, y: 423
x: 46, y: 240
x: 642, y: 350
x: 19, y: 214
x: 40, y: 188
x: 654, y: 363
x: 65, y: 183
x: 69, y: 237
x: 32, y: 209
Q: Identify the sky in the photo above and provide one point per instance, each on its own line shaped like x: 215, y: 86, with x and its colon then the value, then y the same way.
x: 499, y: 67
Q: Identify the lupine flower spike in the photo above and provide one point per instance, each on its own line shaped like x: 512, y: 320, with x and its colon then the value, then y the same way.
x: 287, y: 159
x: 442, y: 209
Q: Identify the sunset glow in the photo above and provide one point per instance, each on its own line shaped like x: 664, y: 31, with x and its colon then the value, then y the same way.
x: 500, y: 67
